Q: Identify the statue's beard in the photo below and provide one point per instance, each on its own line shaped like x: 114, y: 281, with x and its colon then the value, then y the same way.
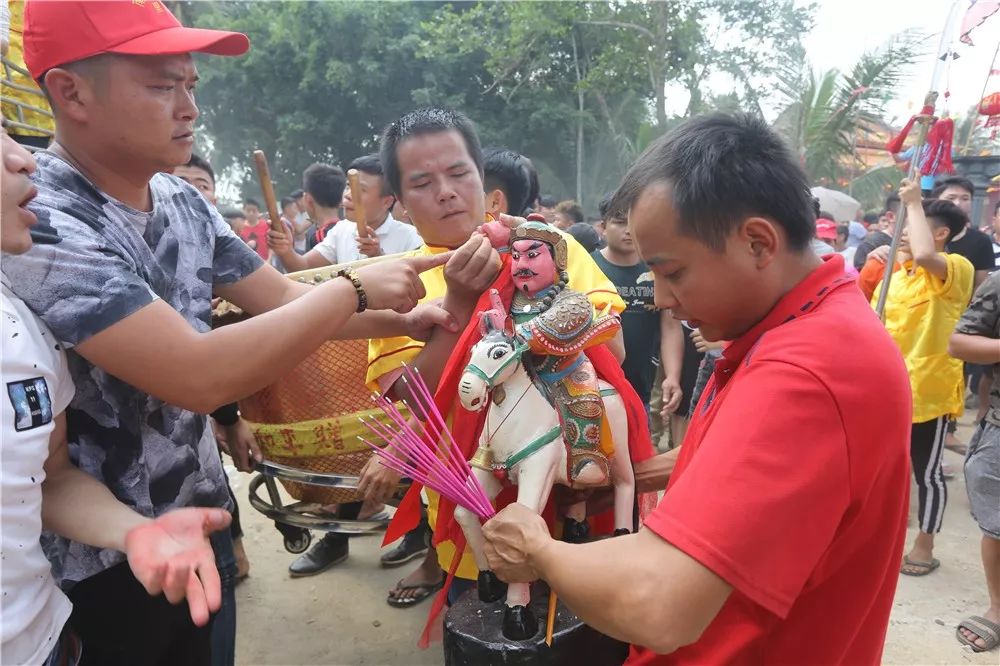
x: 524, y: 276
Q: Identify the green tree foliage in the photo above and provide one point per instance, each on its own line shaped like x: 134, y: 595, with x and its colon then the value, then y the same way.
x: 580, y: 87
x: 824, y: 113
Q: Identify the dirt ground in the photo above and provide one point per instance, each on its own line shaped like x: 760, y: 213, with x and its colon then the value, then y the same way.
x: 340, y: 616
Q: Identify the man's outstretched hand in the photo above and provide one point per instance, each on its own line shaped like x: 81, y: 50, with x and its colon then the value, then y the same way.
x: 172, y: 554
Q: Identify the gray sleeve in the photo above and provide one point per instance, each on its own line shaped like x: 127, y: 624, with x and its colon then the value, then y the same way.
x: 76, y: 281
x: 233, y: 259
x: 982, y: 317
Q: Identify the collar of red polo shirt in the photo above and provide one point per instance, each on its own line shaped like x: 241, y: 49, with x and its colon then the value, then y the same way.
x: 57, y: 33
x: 802, y: 299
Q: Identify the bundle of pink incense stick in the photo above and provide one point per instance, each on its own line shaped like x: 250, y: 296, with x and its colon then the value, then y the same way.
x: 423, y: 448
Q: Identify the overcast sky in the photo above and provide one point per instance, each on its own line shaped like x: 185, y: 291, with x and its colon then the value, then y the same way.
x: 847, y: 28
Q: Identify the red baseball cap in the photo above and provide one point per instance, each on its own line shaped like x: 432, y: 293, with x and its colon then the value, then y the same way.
x: 826, y: 229
x: 58, y: 32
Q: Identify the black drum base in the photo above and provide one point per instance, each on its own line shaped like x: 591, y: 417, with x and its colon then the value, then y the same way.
x: 473, y: 636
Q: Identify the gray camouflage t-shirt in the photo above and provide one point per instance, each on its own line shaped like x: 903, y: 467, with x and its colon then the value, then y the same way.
x: 94, y: 262
x: 983, y: 318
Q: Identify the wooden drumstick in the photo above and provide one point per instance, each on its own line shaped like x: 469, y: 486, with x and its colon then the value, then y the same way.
x: 354, y: 180
x: 264, y: 175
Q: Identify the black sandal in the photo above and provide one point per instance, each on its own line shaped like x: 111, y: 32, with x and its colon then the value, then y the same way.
x: 428, y: 589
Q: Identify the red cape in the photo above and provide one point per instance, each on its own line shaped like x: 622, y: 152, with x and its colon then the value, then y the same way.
x: 466, y: 427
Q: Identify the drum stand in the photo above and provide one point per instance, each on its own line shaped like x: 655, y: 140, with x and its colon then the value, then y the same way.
x: 296, y: 519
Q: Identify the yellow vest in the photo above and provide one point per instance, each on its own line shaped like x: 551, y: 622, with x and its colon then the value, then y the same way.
x: 921, y: 311
x: 388, y: 354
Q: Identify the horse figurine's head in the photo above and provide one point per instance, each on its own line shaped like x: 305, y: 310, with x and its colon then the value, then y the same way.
x: 493, y: 360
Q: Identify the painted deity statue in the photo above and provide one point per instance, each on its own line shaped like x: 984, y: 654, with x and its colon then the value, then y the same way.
x: 549, y: 419
x: 558, y: 324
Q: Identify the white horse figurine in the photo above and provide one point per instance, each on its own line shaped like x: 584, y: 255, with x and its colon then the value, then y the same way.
x: 523, y: 434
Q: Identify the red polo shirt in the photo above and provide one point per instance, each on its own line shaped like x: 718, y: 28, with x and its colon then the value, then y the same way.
x: 793, y: 484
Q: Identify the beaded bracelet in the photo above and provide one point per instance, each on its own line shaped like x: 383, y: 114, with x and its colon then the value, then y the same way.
x: 352, y: 275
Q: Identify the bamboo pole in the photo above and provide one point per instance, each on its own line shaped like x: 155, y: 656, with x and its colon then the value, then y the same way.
x: 945, y: 53
x: 925, y: 121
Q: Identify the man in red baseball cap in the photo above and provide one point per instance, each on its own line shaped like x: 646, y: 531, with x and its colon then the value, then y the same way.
x: 123, y: 269
x: 57, y: 33
x: 826, y: 236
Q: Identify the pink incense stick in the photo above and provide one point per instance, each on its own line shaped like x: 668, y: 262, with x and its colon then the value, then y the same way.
x: 414, y: 454
x: 452, y: 450
x: 430, y: 468
x: 409, y: 470
x: 414, y: 445
x: 395, y: 464
x: 418, y: 380
x: 451, y: 457
x: 448, y: 444
x: 407, y: 447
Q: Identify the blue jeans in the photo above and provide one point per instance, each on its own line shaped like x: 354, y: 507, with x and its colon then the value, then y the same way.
x: 224, y: 621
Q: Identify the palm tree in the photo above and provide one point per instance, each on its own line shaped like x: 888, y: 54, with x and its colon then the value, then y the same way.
x: 826, y: 110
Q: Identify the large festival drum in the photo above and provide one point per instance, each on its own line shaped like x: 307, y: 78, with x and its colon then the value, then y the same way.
x: 309, y: 419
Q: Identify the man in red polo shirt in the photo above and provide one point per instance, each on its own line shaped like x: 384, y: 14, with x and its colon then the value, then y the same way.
x: 780, y: 535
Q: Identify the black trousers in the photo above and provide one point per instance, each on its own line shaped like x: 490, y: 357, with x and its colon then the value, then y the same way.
x: 926, y: 451
x: 121, y: 625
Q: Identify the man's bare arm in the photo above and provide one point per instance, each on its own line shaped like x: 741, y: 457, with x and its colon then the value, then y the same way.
x: 921, y: 237
x: 617, y: 346
x: 266, y: 289
x: 158, y: 352
x: 76, y: 505
x: 637, y: 588
x: 652, y: 474
x: 281, y: 244
x: 974, y: 348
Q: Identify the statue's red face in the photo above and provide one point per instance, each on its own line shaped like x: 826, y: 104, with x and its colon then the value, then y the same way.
x: 532, y: 266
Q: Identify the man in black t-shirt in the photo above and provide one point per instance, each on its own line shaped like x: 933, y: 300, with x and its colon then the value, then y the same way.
x: 649, y: 333
x: 972, y: 243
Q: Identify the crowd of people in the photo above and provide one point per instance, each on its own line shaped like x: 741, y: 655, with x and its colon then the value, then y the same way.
x: 787, y: 486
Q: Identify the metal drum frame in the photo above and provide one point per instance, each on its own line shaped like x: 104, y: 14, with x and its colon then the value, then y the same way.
x: 294, y: 520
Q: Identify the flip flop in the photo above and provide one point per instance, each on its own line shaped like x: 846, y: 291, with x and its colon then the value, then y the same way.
x: 981, y: 627
x: 428, y: 590
x: 924, y: 567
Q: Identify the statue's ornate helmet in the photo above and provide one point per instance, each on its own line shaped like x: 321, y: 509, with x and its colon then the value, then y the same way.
x: 541, y: 231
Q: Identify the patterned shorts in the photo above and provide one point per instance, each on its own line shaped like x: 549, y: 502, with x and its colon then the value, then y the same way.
x: 982, y: 478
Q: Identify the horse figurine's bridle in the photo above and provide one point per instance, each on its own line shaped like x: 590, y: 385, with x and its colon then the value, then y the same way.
x: 515, y: 357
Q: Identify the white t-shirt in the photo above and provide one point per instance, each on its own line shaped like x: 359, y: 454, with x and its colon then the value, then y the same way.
x: 341, y: 246
x: 37, y: 386
x: 300, y: 239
